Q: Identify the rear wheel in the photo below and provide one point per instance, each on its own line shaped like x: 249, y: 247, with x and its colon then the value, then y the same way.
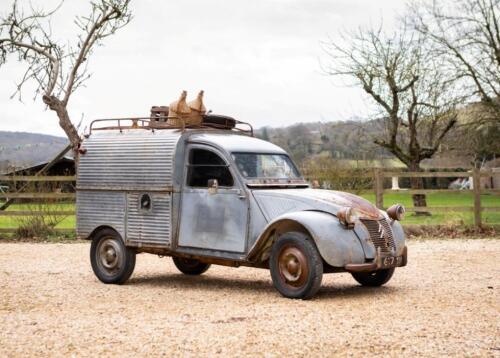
x: 374, y: 278
x: 112, y: 261
x: 296, y: 266
x: 190, y: 266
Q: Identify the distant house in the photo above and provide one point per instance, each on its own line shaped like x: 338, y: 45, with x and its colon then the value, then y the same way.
x: 447, y: 161
x: 4, y: 166
x: 436, y: 163
x: 64, y: 166
x: 494, y: 165
x: 22, y: 152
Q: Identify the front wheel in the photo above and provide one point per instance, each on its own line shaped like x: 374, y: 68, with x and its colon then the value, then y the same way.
x: 112, y: 261
x: 374, y: 278
x: 296, y: 266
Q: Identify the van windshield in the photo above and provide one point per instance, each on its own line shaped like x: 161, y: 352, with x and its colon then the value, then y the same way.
x: 260, y: 165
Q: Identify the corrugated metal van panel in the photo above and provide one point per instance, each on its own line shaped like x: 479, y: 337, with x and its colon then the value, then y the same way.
x: 132, y: 160
x: 149, y: 227
x: 97, y: 208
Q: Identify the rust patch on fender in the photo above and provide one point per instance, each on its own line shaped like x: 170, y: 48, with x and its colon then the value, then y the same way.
x: 367, y: 209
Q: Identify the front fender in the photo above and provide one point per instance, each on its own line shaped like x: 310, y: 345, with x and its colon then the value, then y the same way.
x: 336, y: 245
x: 399, y: 237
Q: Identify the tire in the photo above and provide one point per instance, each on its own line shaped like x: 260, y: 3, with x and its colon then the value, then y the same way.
x: 374, y: 278
x: 190, y: 266
x: 296, y: 266
x: 112, y: 261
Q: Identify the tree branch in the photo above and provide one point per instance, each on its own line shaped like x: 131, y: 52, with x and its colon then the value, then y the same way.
x: 108, y: 13
x: 30, y: 38
x: 53, y: 61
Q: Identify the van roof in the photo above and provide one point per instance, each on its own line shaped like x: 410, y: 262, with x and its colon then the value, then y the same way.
x: 225, y: 139
x: 234, y: 143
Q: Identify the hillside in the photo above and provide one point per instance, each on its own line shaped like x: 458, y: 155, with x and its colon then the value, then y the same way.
x: 21, y: 149
x: 350, y: 140
x: 351, y: 143
x: 336, y: 140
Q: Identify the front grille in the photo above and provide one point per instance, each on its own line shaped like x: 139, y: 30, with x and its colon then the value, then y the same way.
x: 380, y: 234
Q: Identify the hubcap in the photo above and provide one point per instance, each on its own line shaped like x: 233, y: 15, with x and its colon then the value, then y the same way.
x: 110, y: 256
x: 293, y: 266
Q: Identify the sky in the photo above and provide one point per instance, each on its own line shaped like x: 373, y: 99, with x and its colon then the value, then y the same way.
x: 258, y: 61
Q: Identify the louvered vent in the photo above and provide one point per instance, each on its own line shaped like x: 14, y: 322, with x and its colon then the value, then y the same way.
x: 381, y: 235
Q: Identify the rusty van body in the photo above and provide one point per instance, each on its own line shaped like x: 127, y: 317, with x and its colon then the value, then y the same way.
x: 215, y: 196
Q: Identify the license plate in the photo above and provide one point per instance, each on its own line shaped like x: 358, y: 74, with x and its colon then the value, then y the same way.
x: 391, y: 261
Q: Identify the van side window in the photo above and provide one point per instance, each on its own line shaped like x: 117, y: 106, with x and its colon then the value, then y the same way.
x: 205, y: 165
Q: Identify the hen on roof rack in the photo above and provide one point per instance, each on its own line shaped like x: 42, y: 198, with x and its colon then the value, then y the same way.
x: 178, y: 115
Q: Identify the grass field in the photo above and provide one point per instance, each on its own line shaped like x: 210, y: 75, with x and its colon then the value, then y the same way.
x: 444, y: 199
x: 68, y: 222
x: 433, y: 200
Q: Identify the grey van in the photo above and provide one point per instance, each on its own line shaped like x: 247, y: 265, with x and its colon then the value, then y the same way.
x: 219, y: 196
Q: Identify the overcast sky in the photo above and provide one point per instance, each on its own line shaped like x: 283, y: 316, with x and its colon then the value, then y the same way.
x: 258, y: 61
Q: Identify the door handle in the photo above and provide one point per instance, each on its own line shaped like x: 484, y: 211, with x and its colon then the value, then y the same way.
x: 241, y: 194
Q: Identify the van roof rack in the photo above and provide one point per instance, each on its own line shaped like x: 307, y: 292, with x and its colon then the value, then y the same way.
x: 209, y: 122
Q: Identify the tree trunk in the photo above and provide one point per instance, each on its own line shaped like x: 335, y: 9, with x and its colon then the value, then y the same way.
x: 419, y: 200
x: 64, y: 122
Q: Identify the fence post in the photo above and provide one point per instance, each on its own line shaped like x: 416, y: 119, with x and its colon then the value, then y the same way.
x: 476, y: 182
x: 378, y: 186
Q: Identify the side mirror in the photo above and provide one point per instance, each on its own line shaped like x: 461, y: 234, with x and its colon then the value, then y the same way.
x: 213, y: 185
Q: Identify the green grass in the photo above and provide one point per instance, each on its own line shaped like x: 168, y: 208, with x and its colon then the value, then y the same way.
x: 434, y: 199
x: 444, y: 199
x: 68, y: 222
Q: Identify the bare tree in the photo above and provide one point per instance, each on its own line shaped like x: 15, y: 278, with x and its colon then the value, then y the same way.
x: 408, y: 91
x: 58, y: 69
x: 480, y: 143
x: 466, y: 35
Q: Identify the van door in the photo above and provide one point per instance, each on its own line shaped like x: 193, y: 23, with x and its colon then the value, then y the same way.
x: 212, y: 219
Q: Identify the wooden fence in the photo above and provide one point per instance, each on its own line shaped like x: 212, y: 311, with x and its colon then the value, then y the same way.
x: 377, y: 175
x: 11, y: 196
x: 475, y: 174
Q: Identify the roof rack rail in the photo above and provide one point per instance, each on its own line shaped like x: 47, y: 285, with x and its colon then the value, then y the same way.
x: 210, y: 122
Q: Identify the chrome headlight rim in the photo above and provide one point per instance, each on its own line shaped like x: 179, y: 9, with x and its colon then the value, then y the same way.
x: 396, y: 212
x: 348, y: 216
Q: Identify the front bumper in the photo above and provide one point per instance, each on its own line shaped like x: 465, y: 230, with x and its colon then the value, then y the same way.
x: 381, y: 262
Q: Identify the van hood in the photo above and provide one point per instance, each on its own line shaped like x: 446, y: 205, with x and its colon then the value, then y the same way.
x: 275, y: 202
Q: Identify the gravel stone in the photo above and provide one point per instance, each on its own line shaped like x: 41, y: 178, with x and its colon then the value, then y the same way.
x: 446, y: 302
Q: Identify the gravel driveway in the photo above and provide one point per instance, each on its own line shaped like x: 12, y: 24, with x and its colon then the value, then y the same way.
x: 445, y: 302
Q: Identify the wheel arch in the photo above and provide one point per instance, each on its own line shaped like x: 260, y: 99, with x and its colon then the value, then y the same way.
x: 336, y: 245
x: 94, y: 232
x: 261, y: 250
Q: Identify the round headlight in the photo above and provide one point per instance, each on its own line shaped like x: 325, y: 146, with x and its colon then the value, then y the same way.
x: 396, y: 212
x: 348, y: 216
